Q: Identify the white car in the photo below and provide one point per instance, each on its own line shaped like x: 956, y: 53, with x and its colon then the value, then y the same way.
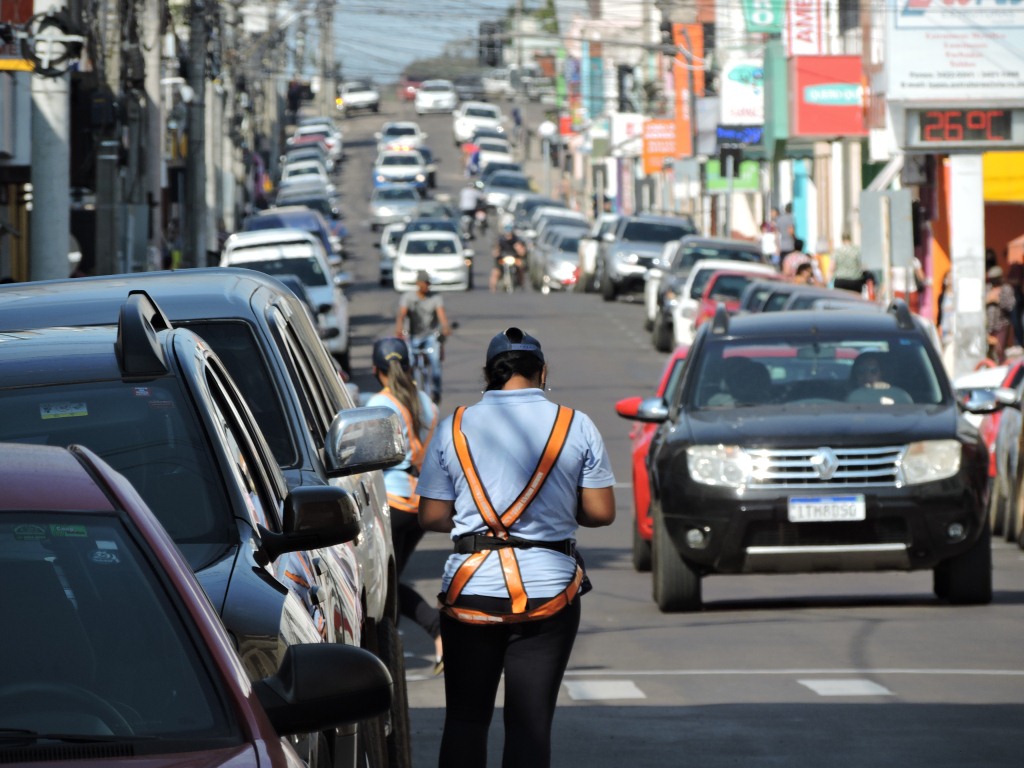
x: 357, y: 95
x: 604, y: 224
x: 684, y: 311
x: 473, y: 114
x: 296, y: 252
x: 439, y: 253
x: 435, y: 96
x: 401, y: 167
x: 329, y: 135
x: 494, y: 151
x: 404, y: 133
x: 306, y: 171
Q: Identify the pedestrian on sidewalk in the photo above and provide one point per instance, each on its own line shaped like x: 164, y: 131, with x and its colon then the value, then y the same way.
x: 511, y: 478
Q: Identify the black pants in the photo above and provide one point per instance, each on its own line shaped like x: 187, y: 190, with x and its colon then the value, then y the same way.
x: 406, y: 534
x: 533, y: 656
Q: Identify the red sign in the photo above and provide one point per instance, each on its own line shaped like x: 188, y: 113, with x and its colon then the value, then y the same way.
x: 826, y: 96
x: 689, y: 81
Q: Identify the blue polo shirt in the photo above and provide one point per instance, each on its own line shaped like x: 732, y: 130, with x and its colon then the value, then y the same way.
x: 507, y: 432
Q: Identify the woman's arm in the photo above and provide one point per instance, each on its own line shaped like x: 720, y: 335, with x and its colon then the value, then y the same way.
x: 596, y: 507
x: 436, y: 514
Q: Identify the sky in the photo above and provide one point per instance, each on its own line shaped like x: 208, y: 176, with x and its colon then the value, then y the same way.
x: 377, y: 38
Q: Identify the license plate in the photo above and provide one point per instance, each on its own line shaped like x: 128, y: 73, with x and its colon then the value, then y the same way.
x: 826, y: 509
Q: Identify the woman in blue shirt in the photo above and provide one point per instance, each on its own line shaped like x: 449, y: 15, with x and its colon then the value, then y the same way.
x: 391, y: 366
x: 511, y: 478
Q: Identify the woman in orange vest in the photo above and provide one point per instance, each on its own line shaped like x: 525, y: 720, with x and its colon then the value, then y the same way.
x: 510, y: 478
x: 418, y: 414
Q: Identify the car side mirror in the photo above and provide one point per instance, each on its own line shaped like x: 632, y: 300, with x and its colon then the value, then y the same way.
x: 364, y: 439
x: 314, y: 517
x: 320, y: 686
x: 627, y: 407
x: 987, y: 400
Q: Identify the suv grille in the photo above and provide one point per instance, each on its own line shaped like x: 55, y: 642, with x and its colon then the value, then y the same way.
x: 827, y: 467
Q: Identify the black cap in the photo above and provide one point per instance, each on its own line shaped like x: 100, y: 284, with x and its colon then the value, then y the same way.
x: 514, y: 340
x: 391, y: 348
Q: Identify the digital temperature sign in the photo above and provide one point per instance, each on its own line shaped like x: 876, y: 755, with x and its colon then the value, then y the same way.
x: 943, y: 128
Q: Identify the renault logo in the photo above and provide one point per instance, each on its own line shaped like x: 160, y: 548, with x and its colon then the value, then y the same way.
x: 825, y: 463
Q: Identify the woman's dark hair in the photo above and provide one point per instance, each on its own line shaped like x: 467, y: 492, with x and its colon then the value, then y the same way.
x: 503, y: 367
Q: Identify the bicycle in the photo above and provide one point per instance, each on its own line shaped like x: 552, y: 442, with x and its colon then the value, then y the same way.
x: 424, y: 350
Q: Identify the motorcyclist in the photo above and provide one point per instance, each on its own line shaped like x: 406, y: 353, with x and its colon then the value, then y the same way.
x: 425, y: 313
x: 508, y: 244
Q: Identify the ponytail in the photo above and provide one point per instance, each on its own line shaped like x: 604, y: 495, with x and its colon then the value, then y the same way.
x: 404, y: 389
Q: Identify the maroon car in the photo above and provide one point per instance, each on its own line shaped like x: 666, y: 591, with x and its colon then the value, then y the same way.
x: 111, y: 651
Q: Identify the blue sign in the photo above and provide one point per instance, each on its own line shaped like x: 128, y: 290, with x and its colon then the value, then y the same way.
x: 746, y: 135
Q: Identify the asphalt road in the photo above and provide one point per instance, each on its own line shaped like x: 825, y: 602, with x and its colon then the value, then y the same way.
x: 802, y: 671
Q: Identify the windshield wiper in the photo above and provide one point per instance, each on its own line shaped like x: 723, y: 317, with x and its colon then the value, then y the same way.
x: 8, y: 735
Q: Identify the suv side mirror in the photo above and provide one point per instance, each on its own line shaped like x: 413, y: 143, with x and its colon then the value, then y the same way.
x: 314, y: 517
x: 364, y: 439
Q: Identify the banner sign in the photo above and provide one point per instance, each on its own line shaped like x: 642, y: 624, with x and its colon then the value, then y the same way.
x: 937, y: 51
x: 765, y: 16
x: 744, y: 135
x: 688, y: 77
x: 807, y: 30
x: 741, y: 91
x: 659, y: 143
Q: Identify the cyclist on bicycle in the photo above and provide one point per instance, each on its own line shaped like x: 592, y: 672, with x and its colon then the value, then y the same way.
x: 428, y: 327
x: 508, y: 244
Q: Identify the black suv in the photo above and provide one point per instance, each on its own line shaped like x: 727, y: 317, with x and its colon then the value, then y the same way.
x: 267, y: 342
x: 159, y: 406
x: 816, y: 441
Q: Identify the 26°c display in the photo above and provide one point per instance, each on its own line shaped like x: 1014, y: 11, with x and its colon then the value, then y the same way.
x: 955, y: 126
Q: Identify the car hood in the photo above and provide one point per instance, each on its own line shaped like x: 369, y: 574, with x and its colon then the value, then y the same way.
x: 800, y: 425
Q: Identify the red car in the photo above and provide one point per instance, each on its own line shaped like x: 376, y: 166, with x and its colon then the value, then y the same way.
x: 407, y: 88
x: 725, y: 287
x: 640, y: 435
x: 112, y: 652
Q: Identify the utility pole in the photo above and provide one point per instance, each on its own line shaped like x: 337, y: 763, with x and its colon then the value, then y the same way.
x: 327, y: 87
x: 50, y: 219
x: 152, y: 47
x: 193, y: 227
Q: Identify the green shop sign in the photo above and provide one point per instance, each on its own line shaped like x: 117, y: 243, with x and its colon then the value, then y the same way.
x: 767, y: 16
x: 747, y: 179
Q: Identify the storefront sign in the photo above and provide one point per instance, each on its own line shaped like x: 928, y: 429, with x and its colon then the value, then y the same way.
x: 826, y: 96
x: 807, y: 27
x: 747, y: 177
x: 688, y: 77
x: 937, y: 51
x: 742, y: 92
x: 764, y: 16
x: 744, y: 135
x: 659, y: 142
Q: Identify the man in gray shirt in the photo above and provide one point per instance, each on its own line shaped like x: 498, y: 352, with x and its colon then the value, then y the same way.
x: 786, y: 226
x: 428, y: 327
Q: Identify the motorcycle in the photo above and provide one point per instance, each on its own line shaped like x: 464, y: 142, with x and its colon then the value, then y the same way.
x: 509, y: 279
x: 481, y: 219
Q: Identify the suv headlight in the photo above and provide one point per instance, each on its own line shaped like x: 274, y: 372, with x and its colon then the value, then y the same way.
x: 728, y: 466
x: 627, y: 258
x: 930, y: 460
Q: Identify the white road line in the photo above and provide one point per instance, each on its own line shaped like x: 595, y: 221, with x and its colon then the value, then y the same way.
x: 601, y: 690
x: 846, y: 688
x: 790, y: 672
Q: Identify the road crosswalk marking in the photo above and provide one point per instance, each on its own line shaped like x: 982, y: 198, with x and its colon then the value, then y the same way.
x: 846, y: 687
x: 596, y: 690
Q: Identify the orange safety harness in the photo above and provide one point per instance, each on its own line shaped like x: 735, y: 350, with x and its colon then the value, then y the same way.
x: 502, y: 541
x: 417, y: 448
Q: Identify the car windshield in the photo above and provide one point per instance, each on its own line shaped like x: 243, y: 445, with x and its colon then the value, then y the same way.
x: 431, y: 225
x: 70, y: 584
x: 728, y: 286
x: 401, y: 160
x: 400, y: 130
x: 691, y: 254
x: 509, y: 180
x: 653, y: 232
x: 436, y: 87
x: 731, y: 286
x: 316, y: 203
x: 482, y: 112
x: 148, y: 433
x: 493, y: 146
x: 396, y: 194
x: 306, y: 268
x: 842, y: 371
x: 569, y: 244
x: 429, y: 247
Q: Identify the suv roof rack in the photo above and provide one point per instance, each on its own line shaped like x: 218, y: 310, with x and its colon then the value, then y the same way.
x: 904, y: 319
x: 139, y: 353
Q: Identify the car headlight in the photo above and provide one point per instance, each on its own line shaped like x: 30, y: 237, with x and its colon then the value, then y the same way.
x: 381, y: 178
x: 628, y: 258
x: 728, y: 466
x: 420, y: 177
x: 930, y: 460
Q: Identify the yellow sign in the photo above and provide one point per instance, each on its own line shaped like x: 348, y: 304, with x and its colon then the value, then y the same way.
x: 16, y: 65
x: 1003, y: 177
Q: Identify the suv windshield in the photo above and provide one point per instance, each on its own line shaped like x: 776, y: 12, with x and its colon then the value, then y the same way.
x: 307, y: 269
x: 147, y: 432
x: 690, y: 255
x: 823, y: 371
x: 653, y: 232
